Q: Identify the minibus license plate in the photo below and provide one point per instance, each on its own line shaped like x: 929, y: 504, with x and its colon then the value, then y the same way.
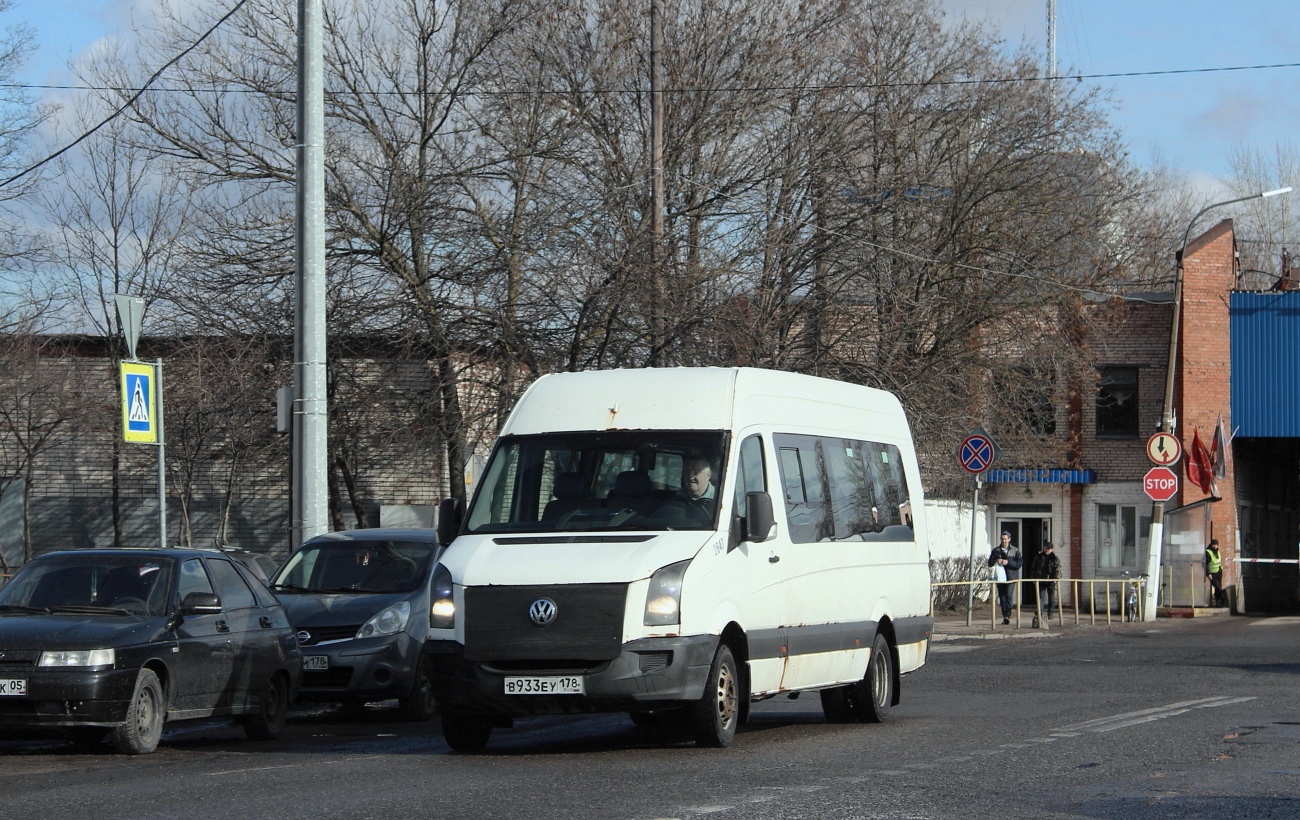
x: 315, y: 661
x: 557, y: 685
x: 14, y: 687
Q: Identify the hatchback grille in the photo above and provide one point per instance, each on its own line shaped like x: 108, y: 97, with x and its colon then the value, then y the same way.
x: 588, y: 625
x: 325, y: 634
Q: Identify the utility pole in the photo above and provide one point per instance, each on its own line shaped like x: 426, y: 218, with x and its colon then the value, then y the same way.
x: 657, y: 288
x: 310, y: 413
x: 1051, y: 41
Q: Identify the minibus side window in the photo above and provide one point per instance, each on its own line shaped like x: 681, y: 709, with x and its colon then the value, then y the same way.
x: 751, y: 477
x: 803, y: 475
x: 853, y: 490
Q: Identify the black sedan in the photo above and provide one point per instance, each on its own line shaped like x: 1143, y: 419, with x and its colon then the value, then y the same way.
x: 94, y: 642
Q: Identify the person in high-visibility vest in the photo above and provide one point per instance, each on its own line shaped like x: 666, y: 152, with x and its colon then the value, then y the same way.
x: 1214, y: 572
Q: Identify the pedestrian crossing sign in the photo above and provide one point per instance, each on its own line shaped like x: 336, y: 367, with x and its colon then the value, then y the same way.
x: 139, y: 403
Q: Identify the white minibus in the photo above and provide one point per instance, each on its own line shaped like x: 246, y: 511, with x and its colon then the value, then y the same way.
x: 677, y: 543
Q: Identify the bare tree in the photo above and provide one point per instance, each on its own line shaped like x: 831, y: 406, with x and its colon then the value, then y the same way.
x: 1272, y: 226
x: 41, y: 397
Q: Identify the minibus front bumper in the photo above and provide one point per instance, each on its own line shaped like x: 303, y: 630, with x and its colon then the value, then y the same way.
x: 649, y: 673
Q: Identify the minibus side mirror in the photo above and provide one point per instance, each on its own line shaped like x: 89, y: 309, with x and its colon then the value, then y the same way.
x: 759, y: 519
x: 450, y: 513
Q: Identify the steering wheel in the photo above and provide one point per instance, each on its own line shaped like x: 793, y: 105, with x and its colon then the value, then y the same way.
x: 135, y: 606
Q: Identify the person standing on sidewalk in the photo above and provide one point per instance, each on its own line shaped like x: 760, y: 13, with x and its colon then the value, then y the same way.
x: 1048, y: 567
x: 1007, y: 556
x: 1214, y: 572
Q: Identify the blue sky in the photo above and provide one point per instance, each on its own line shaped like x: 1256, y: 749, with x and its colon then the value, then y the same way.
x: 1188, y: 121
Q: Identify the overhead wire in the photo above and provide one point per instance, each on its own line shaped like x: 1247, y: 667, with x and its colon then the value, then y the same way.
x: 130, y: 101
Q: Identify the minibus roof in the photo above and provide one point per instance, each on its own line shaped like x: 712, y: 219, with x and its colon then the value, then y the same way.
x: 701, y: 398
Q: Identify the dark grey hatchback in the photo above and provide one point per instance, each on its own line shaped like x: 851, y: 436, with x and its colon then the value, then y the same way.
x: 360, y: 602
x: 94, y: 642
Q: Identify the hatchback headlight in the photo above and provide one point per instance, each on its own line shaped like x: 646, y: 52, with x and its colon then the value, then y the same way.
x: 78, y: 657
x: 387, y: 621
x: 663, y: 601
x: 442, y: 604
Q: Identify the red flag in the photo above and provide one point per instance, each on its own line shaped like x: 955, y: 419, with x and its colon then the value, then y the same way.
x: 1219, y: 451
x: 1199, y: 468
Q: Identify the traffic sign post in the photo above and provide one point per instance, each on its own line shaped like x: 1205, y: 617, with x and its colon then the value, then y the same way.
x: 1160, y: 484
x: 976, y: 454
x: 1164, y: 449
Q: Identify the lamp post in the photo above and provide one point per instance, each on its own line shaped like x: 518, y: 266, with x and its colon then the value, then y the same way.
x: 1154, y: 544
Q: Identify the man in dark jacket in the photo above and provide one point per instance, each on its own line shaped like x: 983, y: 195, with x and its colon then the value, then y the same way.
x: 1007, y: 556
x: 1047, y: 567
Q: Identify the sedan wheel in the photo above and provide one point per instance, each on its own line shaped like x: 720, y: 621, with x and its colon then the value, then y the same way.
x: 268, y: 721
x: 140, y: 733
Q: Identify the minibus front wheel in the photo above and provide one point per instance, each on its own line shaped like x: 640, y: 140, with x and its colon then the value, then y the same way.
x: 717, y: 714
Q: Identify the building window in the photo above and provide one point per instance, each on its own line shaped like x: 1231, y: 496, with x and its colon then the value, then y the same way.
x: 1117, y: 535
x: 1117, y: 402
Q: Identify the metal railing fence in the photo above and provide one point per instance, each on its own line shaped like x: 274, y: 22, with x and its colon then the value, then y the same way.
x: 1125, y: 606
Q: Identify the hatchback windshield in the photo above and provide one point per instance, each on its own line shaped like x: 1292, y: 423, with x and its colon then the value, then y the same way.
x: 355, y: 567
x: 624, y: 480
x: 92, y: 583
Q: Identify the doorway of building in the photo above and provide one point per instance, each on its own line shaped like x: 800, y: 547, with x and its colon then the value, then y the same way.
x: 1029, y: 533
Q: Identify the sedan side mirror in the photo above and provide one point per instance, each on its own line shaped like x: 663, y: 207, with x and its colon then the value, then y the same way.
x: 201, y: 603
x: 759, y: 519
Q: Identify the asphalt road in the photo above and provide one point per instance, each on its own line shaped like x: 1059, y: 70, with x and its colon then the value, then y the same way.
x: 1177, y: 719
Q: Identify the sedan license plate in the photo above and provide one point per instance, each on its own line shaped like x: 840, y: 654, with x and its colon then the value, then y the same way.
x: 558, y: 685
x: 13, y: 687
x: 315, y: 661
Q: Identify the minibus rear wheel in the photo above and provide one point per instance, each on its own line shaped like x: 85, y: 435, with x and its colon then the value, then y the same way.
x: 717, y: 714
x: 874, y: 694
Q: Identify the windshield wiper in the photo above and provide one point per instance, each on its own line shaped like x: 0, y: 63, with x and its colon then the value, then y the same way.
x: 355, y: 590
x: 291, y: 588
x: 91, y: 610
x: 42, y: 610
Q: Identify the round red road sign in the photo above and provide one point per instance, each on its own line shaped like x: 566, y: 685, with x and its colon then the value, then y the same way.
x: 1160, y: 484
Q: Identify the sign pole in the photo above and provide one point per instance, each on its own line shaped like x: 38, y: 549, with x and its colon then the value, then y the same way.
x: 970, y: 588
x: 162, y: 460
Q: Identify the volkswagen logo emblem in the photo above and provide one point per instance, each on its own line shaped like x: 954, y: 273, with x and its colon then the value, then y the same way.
x: 543, y: 612
x: 304, y: 637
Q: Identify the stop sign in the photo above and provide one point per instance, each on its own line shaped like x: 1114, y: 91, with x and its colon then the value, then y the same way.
x: 1160, y: 483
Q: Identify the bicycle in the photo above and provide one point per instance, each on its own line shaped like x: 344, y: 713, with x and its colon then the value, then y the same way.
x: 1132, y: 601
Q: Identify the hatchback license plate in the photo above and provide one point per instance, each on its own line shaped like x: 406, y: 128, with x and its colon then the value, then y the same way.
x: 315, y: 661
x: 13, y: 687
x: 558, y: 685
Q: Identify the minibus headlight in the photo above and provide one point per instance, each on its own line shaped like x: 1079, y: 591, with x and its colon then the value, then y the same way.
x: 442, y: 604
x: 663, y: 601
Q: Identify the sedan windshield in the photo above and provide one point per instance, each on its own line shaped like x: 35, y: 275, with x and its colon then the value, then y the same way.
x: 93, y: 583
x: 355, y: 567
x: 623, y: 480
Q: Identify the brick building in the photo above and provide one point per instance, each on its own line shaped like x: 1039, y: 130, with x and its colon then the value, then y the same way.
x: 1232, y: 364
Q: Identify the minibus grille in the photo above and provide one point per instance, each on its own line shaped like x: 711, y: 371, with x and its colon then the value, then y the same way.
x: 588, y: 623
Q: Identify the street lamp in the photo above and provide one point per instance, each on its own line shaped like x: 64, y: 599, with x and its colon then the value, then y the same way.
x: 1167, y: 412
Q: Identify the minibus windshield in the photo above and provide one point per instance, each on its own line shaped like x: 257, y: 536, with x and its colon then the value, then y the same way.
x: 624, y: 480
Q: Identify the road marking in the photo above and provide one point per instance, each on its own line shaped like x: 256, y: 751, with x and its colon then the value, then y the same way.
x: 1110, y: 724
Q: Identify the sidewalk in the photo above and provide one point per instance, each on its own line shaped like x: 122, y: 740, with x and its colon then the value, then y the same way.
x: 951, y: 626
